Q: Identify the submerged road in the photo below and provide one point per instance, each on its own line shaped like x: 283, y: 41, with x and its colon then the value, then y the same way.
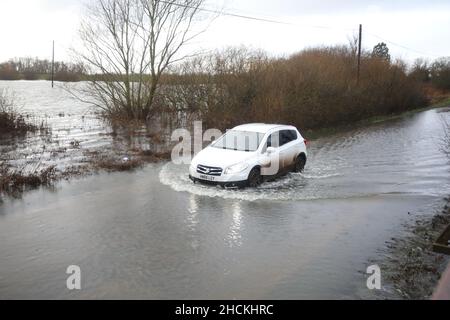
x: 151, y: 234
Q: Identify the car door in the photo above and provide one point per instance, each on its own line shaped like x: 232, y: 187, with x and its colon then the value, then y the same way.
x: 272, y: 162
x: 288, y: 148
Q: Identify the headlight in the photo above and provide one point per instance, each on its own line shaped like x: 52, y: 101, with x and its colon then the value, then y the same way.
x: 237, y: 168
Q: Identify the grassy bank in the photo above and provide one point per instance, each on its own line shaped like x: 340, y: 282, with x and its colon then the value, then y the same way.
x: 411, y: 267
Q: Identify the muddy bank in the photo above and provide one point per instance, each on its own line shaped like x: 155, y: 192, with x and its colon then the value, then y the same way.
x: 411, y: 269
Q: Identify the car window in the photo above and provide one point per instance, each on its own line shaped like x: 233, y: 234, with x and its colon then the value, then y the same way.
x: 287, y: 136
x: 280, y: 138
x: 273, y: 140
x: 239, y: 141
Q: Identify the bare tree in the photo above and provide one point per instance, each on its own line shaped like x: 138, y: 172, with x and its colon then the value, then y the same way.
x: 353, y: 42
x: 131, y: 44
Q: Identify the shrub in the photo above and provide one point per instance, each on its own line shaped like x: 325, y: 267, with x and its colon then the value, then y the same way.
x: 11, y: 121
x: 421, y: 71
x: 440, y: 73
x: 314, y: 88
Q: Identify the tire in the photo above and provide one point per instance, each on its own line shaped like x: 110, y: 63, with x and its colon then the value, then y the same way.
x: 300, y: 164
x: 254, y: 178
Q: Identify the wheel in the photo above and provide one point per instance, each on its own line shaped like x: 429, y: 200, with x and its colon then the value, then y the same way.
x: 300, y: 164
x: 254, y: 178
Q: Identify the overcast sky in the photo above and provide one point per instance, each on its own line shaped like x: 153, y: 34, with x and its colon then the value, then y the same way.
x: 416, y: 27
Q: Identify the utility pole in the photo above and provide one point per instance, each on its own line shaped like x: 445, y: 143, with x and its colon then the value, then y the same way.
x: 53, y: 64
x: 359, y: 52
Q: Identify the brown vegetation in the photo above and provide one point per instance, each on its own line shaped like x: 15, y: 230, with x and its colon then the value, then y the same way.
x: 436, y: 73
x: 314, y: 88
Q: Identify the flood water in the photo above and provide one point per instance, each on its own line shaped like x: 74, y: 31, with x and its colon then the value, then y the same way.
x: 151, y: 234
x: 71, y: 122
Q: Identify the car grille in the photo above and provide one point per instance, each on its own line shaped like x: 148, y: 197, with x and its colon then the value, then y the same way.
x: 210, y: 171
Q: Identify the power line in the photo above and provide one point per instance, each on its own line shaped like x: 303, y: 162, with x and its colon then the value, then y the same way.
x: 279, y: 22
x: 223, y: 13
x: 249, y: 17
x: 403, y: 46
x: 254, y: 18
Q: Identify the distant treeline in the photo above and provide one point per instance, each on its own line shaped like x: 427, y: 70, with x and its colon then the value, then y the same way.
x: 37, y: 69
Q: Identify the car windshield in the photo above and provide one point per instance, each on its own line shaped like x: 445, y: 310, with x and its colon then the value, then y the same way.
x: 240, y: 141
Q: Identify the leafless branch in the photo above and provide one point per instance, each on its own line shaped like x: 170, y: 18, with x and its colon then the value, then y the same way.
x: 129, y: 45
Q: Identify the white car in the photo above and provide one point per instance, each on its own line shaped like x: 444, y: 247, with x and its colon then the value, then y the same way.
x: 250, y: 154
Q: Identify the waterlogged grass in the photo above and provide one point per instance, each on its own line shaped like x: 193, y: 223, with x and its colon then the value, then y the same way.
x: 137, y: 159
x: 12, y: 120
x: 113, y: 165
x: 14, y: 182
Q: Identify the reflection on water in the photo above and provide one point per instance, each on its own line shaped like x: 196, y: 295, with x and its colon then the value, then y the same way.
x: 153, y: 234
x: 192, y: 217
x: 234, y: 236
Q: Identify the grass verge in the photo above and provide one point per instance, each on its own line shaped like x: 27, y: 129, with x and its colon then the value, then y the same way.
x: 412, y: 267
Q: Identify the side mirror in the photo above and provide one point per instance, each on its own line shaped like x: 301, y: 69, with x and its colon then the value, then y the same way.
x: 271, y: 150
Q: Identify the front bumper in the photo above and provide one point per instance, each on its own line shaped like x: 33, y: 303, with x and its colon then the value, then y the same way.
x: 224, y: 184
x: 228, y: 181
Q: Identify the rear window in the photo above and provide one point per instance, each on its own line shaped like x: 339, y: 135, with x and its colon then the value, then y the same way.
x: 288, y: 136
x: 281, y: 138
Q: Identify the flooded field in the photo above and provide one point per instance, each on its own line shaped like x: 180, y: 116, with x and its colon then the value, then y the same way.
x: 71, y: 123
x: 74, y: 133
x: 152, y: 234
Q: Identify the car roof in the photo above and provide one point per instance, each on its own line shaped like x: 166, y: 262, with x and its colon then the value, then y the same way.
x: 261, y: 127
